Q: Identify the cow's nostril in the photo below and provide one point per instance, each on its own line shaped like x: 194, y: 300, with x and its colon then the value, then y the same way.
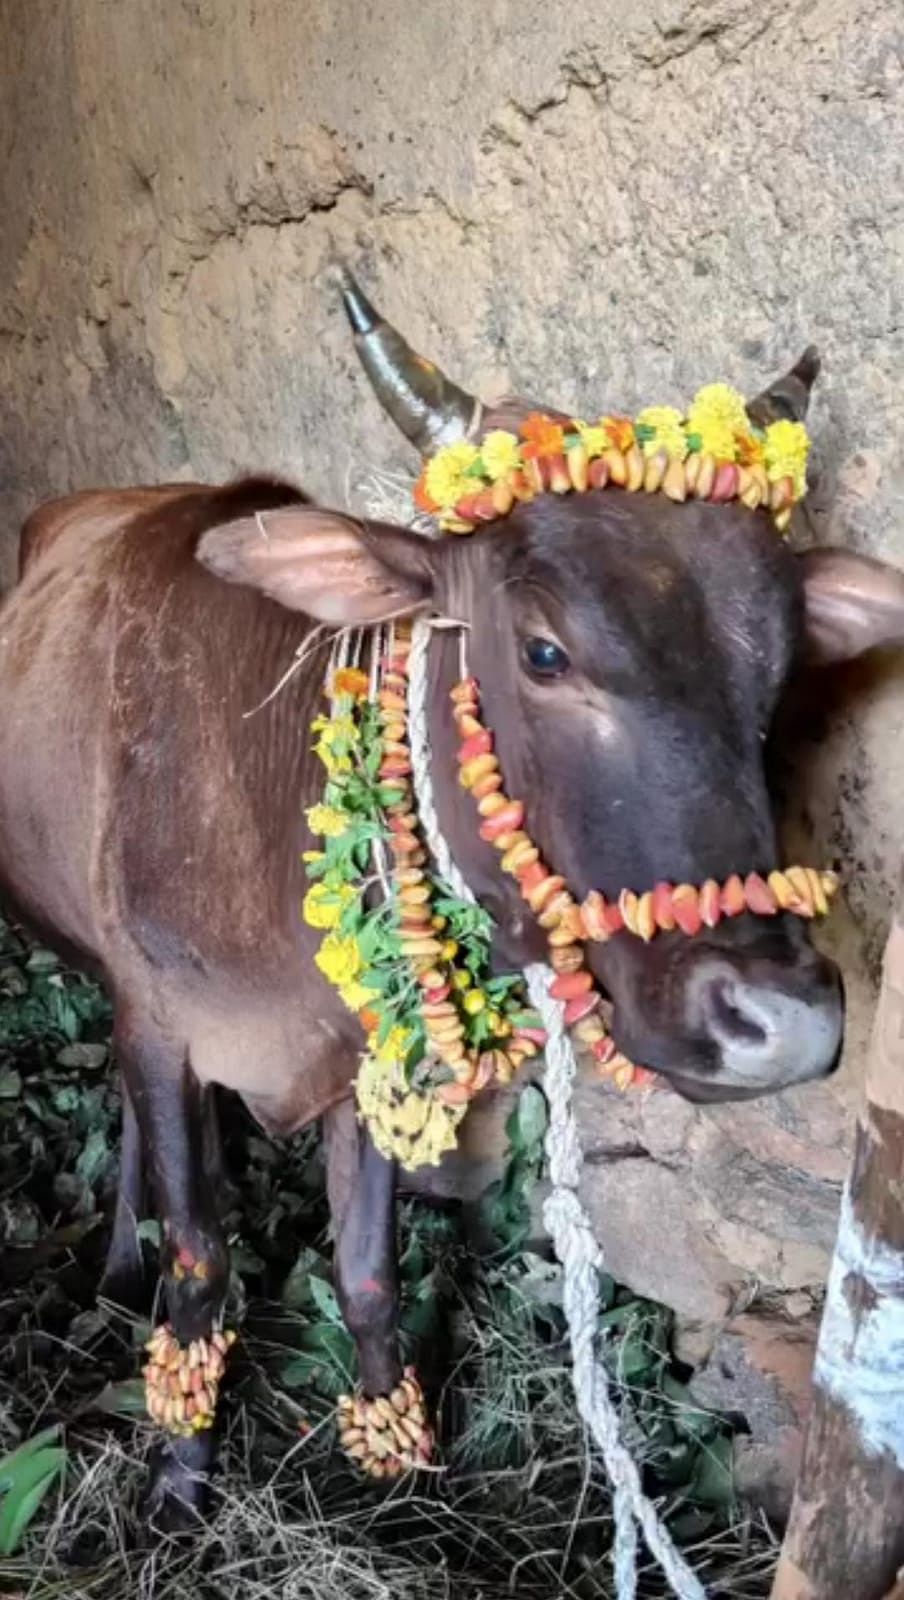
x: 767, y: 1023
x: 733, y: 1016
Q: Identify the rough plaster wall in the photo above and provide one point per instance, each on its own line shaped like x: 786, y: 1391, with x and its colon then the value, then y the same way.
x: 600, y: 205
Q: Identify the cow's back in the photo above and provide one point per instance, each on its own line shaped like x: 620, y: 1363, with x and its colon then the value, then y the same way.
x: 145, y: 819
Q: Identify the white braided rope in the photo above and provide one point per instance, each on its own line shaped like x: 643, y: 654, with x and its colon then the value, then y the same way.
x: 567, y: 1222
x: 419, y: 745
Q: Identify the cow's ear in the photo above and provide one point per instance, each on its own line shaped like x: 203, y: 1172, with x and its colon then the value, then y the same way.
x: 852, y: 604
x: 335, y: 568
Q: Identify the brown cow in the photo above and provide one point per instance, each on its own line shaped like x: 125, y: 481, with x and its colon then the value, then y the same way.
x: 631, y: 653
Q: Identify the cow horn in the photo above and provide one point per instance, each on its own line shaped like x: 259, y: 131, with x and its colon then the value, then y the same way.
x: 424, y: 404
x: 788, y: 397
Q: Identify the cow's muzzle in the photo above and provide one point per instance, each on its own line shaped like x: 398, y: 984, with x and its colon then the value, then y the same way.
x: 733, y: 1020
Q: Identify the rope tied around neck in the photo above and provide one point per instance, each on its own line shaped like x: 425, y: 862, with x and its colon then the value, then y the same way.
x: 574, y: 1242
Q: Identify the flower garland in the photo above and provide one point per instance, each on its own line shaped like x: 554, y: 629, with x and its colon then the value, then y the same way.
x: 713, y: 453
x: 802, y: 891
x: 414, y: 968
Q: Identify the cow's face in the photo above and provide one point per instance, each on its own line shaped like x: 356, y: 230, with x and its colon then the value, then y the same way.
x: 631, y: 654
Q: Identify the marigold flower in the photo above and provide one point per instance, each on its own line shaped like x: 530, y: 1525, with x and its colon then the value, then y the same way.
x: 620, y: 431
x: 323, y: 907
x: 422, y: 499
x: 785, y: 452
x: 339, y: 959
x: 594, y: 437
x: 542, y: 436
x: 350, y: 680
x: 717, y: 415
x: 357, y: 996
x: 395, y: 1046
x: 668, y: 431
x: 333, y: 731
x: 500, y: 454
x: 750, y: 449
x: 328, y: 821
x: 445, y: 480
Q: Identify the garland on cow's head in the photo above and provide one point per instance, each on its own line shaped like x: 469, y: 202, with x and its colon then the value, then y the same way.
x: 715, y: 453
x: 412, y: 959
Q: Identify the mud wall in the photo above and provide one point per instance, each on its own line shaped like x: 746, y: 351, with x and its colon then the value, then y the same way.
x: 604, y: 204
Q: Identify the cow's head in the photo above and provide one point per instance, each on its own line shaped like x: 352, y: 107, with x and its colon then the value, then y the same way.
x: 631, y: 654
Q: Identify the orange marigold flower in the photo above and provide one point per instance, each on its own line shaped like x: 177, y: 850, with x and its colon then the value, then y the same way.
x: 749, y: 449
x: 542, y: 436
x: 422, y: 499
x: 351, y: 680
x: 620, y: 431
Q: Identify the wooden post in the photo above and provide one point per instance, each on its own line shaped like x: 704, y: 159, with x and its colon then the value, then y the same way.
x: 845, y: 1537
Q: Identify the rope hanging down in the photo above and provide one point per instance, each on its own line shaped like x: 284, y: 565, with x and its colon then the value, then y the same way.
x: 573, y: 1240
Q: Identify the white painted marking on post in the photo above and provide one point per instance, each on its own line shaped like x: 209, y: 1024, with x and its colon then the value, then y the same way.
x: 860, y: 1354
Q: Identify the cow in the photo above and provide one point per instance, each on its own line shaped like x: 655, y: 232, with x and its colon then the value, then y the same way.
x: 631, y: 652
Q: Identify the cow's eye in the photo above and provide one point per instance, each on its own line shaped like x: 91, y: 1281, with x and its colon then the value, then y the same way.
x: 545, y: 658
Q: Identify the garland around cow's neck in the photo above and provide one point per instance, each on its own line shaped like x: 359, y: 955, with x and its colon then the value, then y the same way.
x: 714, y: 452
x: 412, y: 958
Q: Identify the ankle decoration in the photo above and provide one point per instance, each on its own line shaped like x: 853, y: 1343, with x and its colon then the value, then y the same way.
x: 389, y: 1434
x: 182, y: 1381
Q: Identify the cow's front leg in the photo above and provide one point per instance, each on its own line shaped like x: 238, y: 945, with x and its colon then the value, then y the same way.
x: 187, y: 1352
x: 383, y: 1426
x: 123, y: 1282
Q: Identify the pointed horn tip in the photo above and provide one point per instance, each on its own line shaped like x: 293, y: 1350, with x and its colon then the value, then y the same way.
x: 809, y: 366
x: 359, y: 310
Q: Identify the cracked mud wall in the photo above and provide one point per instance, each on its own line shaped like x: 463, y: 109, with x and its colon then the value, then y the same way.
x: 600, y: 205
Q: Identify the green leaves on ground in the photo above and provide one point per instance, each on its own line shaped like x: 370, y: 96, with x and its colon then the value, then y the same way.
x: 27, y: 1474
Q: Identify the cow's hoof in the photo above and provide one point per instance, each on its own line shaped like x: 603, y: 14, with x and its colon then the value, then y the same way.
x: 389, y: 1434
x: 178, y: 1490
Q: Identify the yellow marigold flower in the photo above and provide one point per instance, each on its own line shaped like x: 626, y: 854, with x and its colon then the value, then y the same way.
x: 323, y: 907
x: 668, y: 431
x: 339, y: 959
x: 356, y: 995
x: 331, y: 731
x: 328, y: 821
x: 499, y: 453
x: 594, y: 437
x: 395, y: 1046
x: 786, y: 450
x: 717, y: 414
x: 335, y: 730
x: 444, y: 478
x: 312, y: 855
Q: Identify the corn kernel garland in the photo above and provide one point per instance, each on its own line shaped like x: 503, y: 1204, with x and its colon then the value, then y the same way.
x: 801, y: 891
x: 438, y: 1027
x: 713, y: 453
x: 433, y: 1041
x: 389, y: 1434
x: 182, y: 1381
